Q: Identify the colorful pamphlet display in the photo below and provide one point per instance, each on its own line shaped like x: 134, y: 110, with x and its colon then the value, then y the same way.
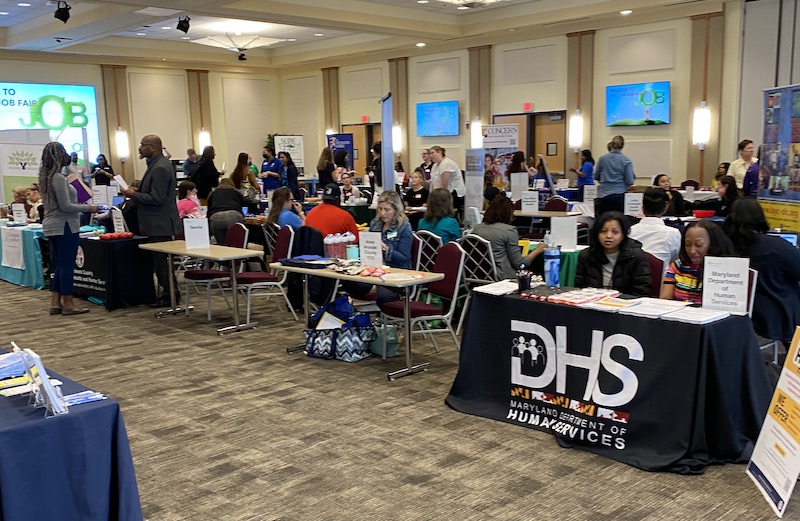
x: 725, y: 284
x: 196, y: 233
x: 775, y: 463
x: 371, y: 249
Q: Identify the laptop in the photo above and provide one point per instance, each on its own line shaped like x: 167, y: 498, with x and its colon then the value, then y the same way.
x: 790, y: 237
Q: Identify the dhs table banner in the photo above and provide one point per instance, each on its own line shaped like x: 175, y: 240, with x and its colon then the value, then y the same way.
x: 650, y: 393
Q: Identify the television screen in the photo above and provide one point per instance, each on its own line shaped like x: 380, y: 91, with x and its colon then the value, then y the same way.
x: 637, y: 104
x: 439, y: 118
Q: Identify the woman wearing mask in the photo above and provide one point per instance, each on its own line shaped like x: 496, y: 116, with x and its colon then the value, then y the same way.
x: 585, y: 172
x: 61, y: 225
x: 206, y: 177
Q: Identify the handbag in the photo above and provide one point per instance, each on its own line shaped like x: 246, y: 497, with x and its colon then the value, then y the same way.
x: 349, y: 344
x: 250, y: 193
x: 392, y: 343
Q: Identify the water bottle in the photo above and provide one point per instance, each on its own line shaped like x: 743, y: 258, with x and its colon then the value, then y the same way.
x: 552, y: 265
x: 328, y: 242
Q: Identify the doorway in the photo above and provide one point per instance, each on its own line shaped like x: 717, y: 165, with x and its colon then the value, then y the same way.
x: 364, y: 136
x: 542, y: 133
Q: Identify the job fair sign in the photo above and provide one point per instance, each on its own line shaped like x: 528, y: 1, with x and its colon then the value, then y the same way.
x: 64, y: 110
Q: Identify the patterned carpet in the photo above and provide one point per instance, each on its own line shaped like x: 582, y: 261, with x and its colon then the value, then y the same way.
x: 233, y: 428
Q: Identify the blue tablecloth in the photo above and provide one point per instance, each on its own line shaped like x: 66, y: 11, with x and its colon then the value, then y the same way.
x: 32, y: 275
x: 570, y: 194
x: 75, y: 466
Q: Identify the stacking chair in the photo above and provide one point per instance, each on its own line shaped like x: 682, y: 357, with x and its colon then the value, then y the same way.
x: 236, y: 237
x: 256, y: 281
x: 479, y: 268
x: 450, y: 262
x: 429, y: 246
x: 303, y: 192
x: 690, y: 182
x: 270, y: 235
x: 656, y: 274
x: 556, y: 204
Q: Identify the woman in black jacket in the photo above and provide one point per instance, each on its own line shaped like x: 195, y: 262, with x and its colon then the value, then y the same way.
x: 289, y: 174
x: 613, y: 260
x: 225, y: 209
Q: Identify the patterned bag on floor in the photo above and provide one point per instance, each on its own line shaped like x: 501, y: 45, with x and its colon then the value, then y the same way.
x: 319, y: 343
x: 352, y: 342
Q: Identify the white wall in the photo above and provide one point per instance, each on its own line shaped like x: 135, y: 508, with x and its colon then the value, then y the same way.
x: 360, y: 89
x: 643, y: 53
x: 439, y: 77
x: 302, y: 113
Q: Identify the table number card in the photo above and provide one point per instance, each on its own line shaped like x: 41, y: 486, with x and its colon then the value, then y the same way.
x: 370, y: 247
x: 530, y: 201
x: 564, y: 232
x: 725, y: 284
x: 633, y: 204
x: 18, y: 211
x: 196, y: 233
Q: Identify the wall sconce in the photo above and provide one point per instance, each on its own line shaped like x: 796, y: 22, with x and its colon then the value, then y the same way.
x: 576, y: 131
x: 329, y: 131
x: 123, y: 149
x: 204, y: 138
x: 701, y: 126
x: 476, y: 133
x: 397, y: 138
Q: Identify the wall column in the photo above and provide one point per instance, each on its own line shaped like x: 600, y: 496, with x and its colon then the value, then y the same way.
x: 480, y: 85
x: 115, y: 85
x: 580, y: 78
x: 199, y: 107
x: 398, y: 86
x: 330, y: 99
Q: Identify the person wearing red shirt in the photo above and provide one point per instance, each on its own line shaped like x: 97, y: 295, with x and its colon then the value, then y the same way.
x: 328, y: 218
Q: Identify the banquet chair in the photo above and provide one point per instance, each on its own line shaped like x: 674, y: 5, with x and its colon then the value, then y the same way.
x: 255, y: 281
x: 556, y: 204
x: 303, y: 193
x: 479, y: 268
x: 235, y: 237
x: 450, y: 262
x: 656, y: 274
x: 690, y: 182
x: 270, y: 232
x: 763, y: 343
x: 429, y: 246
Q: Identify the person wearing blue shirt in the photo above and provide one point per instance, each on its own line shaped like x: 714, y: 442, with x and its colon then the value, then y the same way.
x: 271, y: 169
x: 615, y: 175
x: 284, y: 210
x: 438, y: 217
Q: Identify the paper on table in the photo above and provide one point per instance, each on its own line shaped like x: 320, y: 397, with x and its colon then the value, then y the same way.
x: 121, y: 182
x: 504, y: 287
x: 695, y: 315
x: 24, y: 389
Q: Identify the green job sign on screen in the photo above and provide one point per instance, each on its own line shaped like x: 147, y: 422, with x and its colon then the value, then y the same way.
x: 62, y: 109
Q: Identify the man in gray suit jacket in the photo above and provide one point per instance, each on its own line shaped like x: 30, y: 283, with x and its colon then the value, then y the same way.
x: 156, y: 207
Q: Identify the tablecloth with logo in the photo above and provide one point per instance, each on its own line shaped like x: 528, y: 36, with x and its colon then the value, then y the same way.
x: 656, y: 394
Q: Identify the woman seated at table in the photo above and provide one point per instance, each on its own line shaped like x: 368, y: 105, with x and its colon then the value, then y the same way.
x: 504, y: 238
x: 722, y: 169
x: 613, y: 260
x: 677, y: 206
x: 417, y: 195
x: 349, y: 192
x: 20, y: 195
x: 396, y: 235
x: 224, y: 209
x: 684, y: 278
x: 438, y: 217
x: 776, y: 310
x: 284, y: 210
x: 188, y: 203
x: 728, y: 193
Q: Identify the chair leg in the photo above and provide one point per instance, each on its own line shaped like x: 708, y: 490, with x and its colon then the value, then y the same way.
x: 208, y: 301
x: 289, y: 304
x: 452, y: 334
x: 188, y: 305
x: 248, y: 304
x: 463, y: 313
x: 424, y: 326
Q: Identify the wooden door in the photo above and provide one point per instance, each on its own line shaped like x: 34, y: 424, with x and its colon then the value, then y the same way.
x: 550, y: 140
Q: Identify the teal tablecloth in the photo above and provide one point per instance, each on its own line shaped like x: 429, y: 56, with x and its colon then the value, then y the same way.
x: 33, y: 274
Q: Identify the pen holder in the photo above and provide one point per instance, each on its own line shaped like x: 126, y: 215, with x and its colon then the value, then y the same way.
x: 524, y: 280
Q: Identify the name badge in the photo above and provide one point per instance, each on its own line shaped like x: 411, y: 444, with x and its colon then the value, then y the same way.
x: 418, y: 196
x: 391, y: 235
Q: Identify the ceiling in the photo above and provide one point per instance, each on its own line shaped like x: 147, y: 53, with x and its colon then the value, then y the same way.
x: 306, y: 33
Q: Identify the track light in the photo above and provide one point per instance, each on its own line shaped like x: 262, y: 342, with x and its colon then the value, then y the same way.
x: 183, y: 24
x: 242, y: 57
x: 62, y: 12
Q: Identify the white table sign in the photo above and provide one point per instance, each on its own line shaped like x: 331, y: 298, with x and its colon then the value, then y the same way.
x: 100, y: 195
x: 538, y: 184
x: 519, y: 184
x: 119, y: 220
x: 775, y: 463
x: 112, y: 191
x: 725, y: 283
x: 19, y: 213
x: 196, y: 233
x: 12, y: 248
x: 530, y: 201
x: 689, y: 193
x: 564, y: 232
x: 589, y: 195
x: 562, y: 183
x: 633, y: 204
x: 370, y: 249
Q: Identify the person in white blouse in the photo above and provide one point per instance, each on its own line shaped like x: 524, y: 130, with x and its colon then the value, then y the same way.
x: 657, y: 238
x: 446, y: 174
x: 739, y: 166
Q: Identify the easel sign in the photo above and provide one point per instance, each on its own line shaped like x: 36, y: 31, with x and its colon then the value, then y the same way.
x: 775, y: 463
x: 195, y: 232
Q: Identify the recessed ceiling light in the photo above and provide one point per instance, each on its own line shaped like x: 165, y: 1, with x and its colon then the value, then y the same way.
x: 186, y: 37
x: 462, y: 7
x: 625, y: 12
x: 141, y: 34
x: 24, y: 4
x: 512, y: 30
x: 3, y: 13
x: 422, y: 1
x: 421, y: 44
x: 166, y: 27
x: 318, y: 34
x: 291, y: 39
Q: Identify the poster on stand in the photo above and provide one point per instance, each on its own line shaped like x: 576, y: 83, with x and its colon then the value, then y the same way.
x: 473, y: 178
x: 344, y: 142
x: 294, y: 146
x: 779, y: 164
x: 500, y: 142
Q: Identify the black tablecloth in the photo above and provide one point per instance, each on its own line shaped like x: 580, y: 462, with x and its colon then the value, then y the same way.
x: 117, y: 272
x: 656, y: 394
x: 75, y: 466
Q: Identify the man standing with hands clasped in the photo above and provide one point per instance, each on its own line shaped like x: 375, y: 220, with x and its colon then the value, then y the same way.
x: 156, y: 208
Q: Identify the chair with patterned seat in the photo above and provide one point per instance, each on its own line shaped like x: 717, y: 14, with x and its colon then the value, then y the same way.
x: 210, y: 279
x: 271, y: 283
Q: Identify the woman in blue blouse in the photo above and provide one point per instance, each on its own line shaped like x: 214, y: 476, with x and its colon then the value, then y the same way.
x: 586, y: 171
x: 284, y: 210
x: 438, y: 217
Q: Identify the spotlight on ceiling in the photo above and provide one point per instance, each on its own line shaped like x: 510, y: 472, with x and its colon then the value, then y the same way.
x: 183, y: 24
x: 242, y: 57
x: 62, y: 12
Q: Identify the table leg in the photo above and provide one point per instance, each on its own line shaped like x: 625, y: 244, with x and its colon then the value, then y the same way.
x: 174, y: 308
x: 306, y: 315
x: 409, y: 368
x: 235, y: 290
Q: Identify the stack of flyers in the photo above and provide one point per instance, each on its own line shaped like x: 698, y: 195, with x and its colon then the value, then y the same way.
x: 83, y: 397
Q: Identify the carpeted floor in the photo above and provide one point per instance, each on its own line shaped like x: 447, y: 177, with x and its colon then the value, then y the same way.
x: 232, y: 428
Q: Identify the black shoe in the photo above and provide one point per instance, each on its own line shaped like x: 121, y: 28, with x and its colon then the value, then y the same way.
x: 161, y: 302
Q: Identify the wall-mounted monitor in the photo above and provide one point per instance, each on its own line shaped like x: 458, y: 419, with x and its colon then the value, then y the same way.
x: 637, y: 104
x: 439, y: 118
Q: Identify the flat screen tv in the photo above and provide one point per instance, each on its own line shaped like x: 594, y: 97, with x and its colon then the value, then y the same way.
x: 438, y: 118
x: 637, y: 104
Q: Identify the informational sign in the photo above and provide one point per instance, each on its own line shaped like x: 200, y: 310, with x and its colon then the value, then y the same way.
x: 633, y: 204
x: 473, y: 178
x: 119, y: 220
x: 779, y: 164
x: 501, y: 136
x: 19, y: 213
x: 338, y: 142
x: 775, y: 463
x: 519, y: 184
x: 293, y: 145
x: 100, y: 195
x: 689, y: 193
x: 12, y: 248
x: 564, y: 232
x: 589, y: 193
x: 370, y: 246
x: 196, y: 233
x: 725, y: 284
x: 562, y: 183
x: 530, y: 201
